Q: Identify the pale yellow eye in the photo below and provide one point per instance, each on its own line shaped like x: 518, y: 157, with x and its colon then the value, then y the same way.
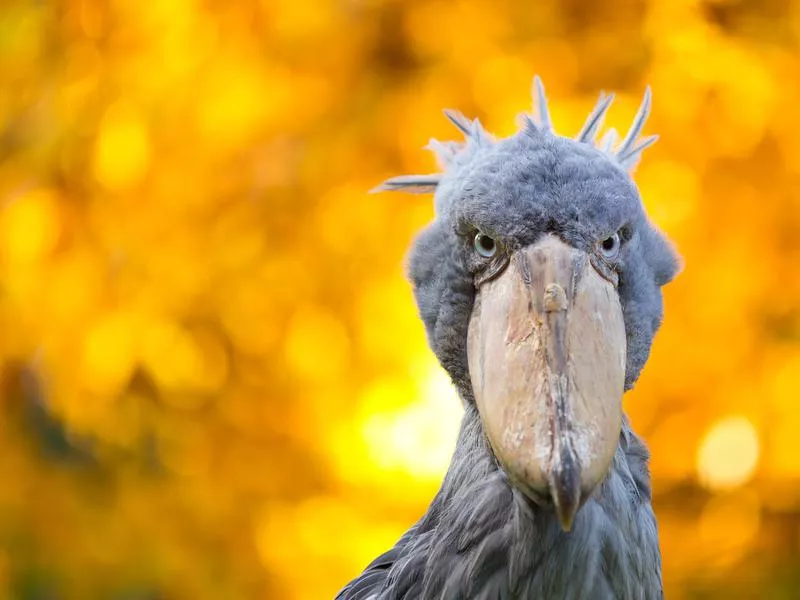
x: 609, y: 247
x: 484, y: 245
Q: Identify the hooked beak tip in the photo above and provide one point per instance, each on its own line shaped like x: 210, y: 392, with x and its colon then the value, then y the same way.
x: 565, y: 518
x: 565, y: 489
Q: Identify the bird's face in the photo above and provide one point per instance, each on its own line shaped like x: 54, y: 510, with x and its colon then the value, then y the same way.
x: 539, y: 284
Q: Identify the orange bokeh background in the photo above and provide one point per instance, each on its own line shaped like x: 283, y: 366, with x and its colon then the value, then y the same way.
x: 214, y: 381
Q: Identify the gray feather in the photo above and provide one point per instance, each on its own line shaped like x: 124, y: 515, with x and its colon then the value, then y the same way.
x: 595, y: 119
x: 517, y: 550
x: 541, y: 103
x: 413, y: 184
x: 608, y: 140
x: 445, y: 152
x: 638, y: 123
x: 460, y: 121
x: 629, y: 158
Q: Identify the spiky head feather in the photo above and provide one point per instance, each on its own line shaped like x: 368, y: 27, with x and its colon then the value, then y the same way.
x: 451, y: 154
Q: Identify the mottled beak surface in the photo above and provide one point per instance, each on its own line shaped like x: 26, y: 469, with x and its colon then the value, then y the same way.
x: 547, y: 362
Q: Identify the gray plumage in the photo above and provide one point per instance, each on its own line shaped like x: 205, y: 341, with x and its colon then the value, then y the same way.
x: 541, y: 104
x: 481, y: 537
x: 595, y: 119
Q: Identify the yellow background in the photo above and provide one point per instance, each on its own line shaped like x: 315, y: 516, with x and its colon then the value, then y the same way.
x: 214, y: 382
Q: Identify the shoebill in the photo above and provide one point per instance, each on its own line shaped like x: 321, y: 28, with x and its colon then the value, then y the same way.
x: 539, y: 283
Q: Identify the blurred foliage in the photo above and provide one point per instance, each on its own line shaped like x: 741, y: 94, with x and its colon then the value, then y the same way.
x: 214, y: 382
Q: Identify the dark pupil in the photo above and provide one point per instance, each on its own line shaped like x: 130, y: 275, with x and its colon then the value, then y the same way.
x: 609, y: 243
x: 486, y: 243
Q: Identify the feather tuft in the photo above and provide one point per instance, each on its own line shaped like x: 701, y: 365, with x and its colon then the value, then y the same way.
x: 541, y: 104
x: 445, y: 152
x: 595, y: 119
x: 412, y: 184
x: 608, y: 140
x: 450, y: 154
x: 459, y: 120
x: 638, y: 123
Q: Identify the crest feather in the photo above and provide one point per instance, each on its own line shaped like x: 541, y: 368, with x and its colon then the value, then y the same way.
x: 608, y: 140
x: 541, y: 103
x: 458, y: 119
x: 627, y: 154
x: 595, y: 119
x: 638, y: 122
x: 413, y: 184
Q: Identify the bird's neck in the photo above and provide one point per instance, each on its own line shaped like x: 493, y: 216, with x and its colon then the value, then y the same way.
x: 481, y: 536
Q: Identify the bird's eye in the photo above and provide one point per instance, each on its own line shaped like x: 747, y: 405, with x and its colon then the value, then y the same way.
x: 484, y: 245
x: 609, y: 247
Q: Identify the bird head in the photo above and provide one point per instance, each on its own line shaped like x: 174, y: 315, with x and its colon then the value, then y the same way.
x: 539, y: 283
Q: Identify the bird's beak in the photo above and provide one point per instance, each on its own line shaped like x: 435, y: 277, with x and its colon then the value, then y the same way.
x: 547, y: 363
